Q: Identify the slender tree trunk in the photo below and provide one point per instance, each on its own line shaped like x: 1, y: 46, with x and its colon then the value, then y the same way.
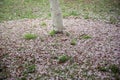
x: 57, y: 20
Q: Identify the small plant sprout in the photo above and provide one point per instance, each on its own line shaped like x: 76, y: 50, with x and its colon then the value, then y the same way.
x: 104, y: 69
x: 31, y: 68
x: 29, y: 36
x: 52, y: 32
x: 63, y: 58
x: 73, y: 42
x: 85, y: 37
x: 67, y: 34
x: 49, y: 14
x: 43, y: 24
x: 114, y: 69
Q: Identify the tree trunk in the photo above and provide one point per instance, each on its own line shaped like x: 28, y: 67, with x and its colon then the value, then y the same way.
x: 57, y: 20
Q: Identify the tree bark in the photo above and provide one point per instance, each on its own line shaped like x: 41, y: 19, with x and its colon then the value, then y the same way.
x: 57, y: 20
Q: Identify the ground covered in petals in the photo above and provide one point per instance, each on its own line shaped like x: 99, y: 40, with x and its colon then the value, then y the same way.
x: 90, y: 50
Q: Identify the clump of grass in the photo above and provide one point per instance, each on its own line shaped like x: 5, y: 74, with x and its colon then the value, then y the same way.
x: 43, y: 24
x: 52, y: 32
x: 113, y: 20
x: 63, y: 58
x: 23, y: 78
x: 29, y: 36
x: 86, y: 16
x: 104, y: 69
x: 114, y: 69
x: 31, y: 68
x: 49, y: 14
x: 74, y: 13
x: 73, y: 42
x: 86, y: 37
x: 67, y: 34
x: 65, y: 14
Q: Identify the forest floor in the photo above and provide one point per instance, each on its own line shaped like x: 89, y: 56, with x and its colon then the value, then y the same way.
x: 92, y: 49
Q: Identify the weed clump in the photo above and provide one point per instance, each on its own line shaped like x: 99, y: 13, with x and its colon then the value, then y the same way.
x: 86, y: 37
x: 31, y: 68
x: 113, y: 20
x: 63, y: 58
x: 73, y: 42
x: 23, y: 78
x: 67, y: 34
x: 74, y: 13
x: 52, y: 32
x: 29, y: 36
x: 103, y: 69
x: 43, y: 24
x: 114, y: 69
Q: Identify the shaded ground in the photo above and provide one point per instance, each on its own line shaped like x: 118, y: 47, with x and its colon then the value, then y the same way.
x: 90, y: 59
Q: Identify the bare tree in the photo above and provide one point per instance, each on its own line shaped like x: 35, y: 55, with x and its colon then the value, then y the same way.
x: 57, y: 20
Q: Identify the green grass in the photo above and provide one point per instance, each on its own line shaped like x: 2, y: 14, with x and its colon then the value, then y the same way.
x: 17, y: 9
x: 29, y: 36
x: 97, y: 9
x: 73, y: 42
x: 23, y: 78
x: 63, y: 58
x: 52, y: 32
x: 31, y: 68
x: 74, y: 13
x: 86, y: 37
x: 113, y: 20
x: 104, y: 69
x: 67, y: 34
x: 71, y: 13
x: 94, y: 9
x: 43, y: 24
x: 114, y: 69
x: 86, y: 16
